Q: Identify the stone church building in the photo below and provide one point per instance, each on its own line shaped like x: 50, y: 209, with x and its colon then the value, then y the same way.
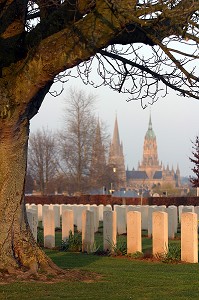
x: 150, y: 171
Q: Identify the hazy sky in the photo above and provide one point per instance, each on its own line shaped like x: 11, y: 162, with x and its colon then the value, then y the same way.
x: 175, y: 122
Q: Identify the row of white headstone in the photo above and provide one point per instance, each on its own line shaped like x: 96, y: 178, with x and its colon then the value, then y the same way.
x: 161, y: 223
x: 174, y: 215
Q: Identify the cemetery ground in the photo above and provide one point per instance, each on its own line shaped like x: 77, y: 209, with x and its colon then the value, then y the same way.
x: 113, y: 276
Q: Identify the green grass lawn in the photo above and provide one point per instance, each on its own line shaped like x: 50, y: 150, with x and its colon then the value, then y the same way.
x: 121, y: 278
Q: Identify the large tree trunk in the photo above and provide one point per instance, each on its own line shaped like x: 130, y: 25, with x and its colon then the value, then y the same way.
x: 18, y: 249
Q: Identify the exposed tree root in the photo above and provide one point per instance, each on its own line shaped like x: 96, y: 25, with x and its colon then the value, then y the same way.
x: 20, y: 275
x: 21, y: 257
x: 29, y: 263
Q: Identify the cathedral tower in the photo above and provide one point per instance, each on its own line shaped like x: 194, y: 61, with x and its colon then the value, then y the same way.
x: 150, y: 163
x: 116, y: 158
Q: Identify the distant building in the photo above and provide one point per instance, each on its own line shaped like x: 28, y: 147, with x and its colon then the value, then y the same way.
x: 116, y: 160
x: 149, y: 173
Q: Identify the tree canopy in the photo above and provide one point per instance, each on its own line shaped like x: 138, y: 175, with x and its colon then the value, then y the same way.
x: 43, y: 38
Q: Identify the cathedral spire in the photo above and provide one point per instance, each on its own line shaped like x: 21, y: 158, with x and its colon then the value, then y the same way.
x: 116, y: 137
x: 150, y: 122
x: 98, y: 132
x: 116, y: 157
x: 177, y: 170
x: 150, y: 133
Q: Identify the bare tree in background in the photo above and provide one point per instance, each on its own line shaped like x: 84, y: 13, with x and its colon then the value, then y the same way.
x: 29, y: 185
x: 43, y: 162
x: 77, y: 138
x: 99, y: 177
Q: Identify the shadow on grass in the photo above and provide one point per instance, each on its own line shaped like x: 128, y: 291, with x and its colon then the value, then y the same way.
x: 71, y: 260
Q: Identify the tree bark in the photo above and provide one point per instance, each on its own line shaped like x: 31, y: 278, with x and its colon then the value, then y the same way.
x: 18, y: 249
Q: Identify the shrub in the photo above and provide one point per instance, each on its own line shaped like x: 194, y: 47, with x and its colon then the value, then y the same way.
x: 40, y: 237
x: 118, y: 249
x: 172, y: 255
x: 137, y: 255
x: 73, y: 243
x: 94, y: 248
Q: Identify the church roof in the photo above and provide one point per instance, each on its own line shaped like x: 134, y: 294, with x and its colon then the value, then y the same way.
x: 150, y: 133
x: 124, y: 194
x: 142, y: 175
x: 136, y: 175
x: 157, y: 175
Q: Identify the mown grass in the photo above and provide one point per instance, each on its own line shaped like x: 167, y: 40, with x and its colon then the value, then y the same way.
x: 121, y: 278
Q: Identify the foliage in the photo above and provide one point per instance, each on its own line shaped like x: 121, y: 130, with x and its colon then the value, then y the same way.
x: 168, y: 188
x: 118, y: 249
x: 172, y: 254
x: 40, y: 236
x: 73, y: 243
x: 137, y: 255
x: 94, y: 248
x: 195, y: 160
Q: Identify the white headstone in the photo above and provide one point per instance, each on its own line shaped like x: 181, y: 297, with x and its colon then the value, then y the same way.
x: 101, y: 211
x: 175, y: 217
x: 180, y: 208
x: 134, y: 232
x: 49, y: 228
x: 33, y: 221
x: 121, y: 219
x: 67, y: 223
x: 56, y: 209
x: 95, y: 210
x: 108, y: 208
x: 144, y: 216
x: 162, y: 208
x: 87, y: 231
x: 79, y: 210
x: 160, y: 232
x: 171, y: 222
x: 34, y: 208
x: 27, y: 206
x: 39, y: 208
x: 189, y: 237
x: 196, y: 210
x: 109, y: 230
x: 45, y: 208
x: 64, y: 207
x: 188, y: 208
x: 75, y: 211
x: 151, y: 210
